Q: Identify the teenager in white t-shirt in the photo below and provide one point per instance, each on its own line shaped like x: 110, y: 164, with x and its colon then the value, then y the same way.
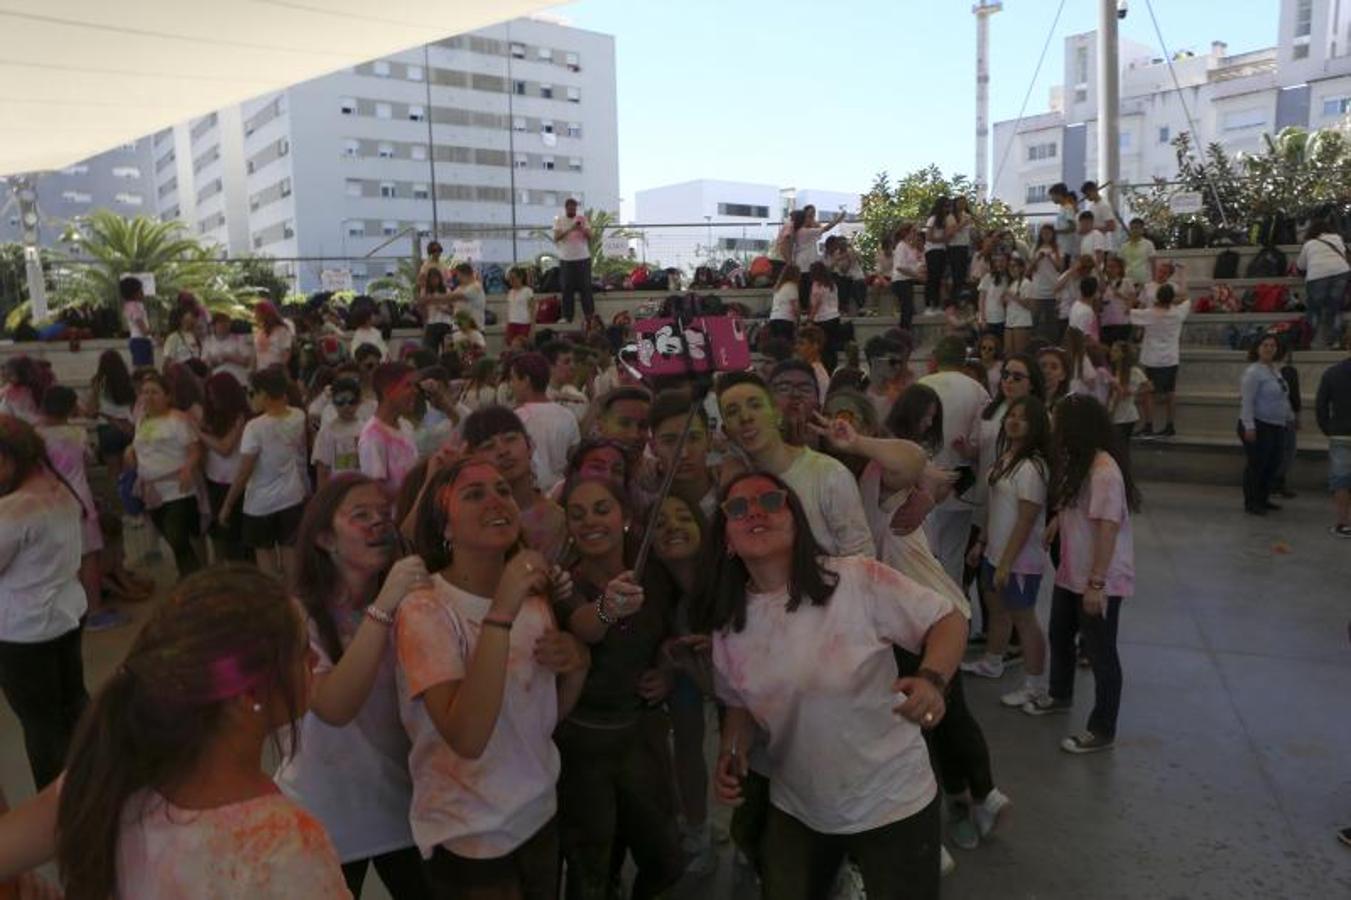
x: 993, y: 290
x: 1105, y: 220
x: 166, y: 454
x: 1019, y: 308
x: 1092, y: 241
x: 803, y: 647
x: 784, y: 307
x: 335, y: 446
x: 386, y: 448
x: 484, y: 677
x: 551, y: 426
x: 521, y: 306
x: 351, y: 768
x: 199, y: 816
x: 824, y: 310
x: 271, y: 477
x: 1160, y: 351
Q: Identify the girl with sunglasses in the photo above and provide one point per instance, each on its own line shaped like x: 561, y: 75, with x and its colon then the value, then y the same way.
x: 615, y: 784
x: 802, y: 647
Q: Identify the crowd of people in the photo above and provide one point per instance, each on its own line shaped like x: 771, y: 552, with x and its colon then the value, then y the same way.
x: 449, y: 594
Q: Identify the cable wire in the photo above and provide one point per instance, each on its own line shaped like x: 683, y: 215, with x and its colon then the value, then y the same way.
x: 1191, y: 124
x: 1050, y: 35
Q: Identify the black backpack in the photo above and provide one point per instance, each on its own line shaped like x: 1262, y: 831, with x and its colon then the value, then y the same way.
x: 1226, y: 264
x: 550, y: 281
x: 1268, y: 263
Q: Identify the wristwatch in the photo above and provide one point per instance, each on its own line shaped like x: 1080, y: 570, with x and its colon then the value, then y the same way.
x: 933, y: 678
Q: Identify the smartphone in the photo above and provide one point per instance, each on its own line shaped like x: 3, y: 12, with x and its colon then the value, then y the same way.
x: 966, y: 477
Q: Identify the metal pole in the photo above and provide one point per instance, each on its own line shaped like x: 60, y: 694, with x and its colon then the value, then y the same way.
x: 431, y: 145
x: 511, y: 144
x: 982, y: 14
x: 1109, y: 101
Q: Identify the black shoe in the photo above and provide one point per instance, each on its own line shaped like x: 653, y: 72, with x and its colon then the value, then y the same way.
x: 1168, y: 431
x: 1254, y: 511
x: 1146, y: 432
x: 1345, y: 836
x: 1287, y: 494
x: 1013, y: 654
x: 1273, y: 507
x: 978, y: 639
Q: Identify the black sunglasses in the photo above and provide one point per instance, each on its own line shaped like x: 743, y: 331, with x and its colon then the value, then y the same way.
x: 739, y: 507
x: 1008, y: 375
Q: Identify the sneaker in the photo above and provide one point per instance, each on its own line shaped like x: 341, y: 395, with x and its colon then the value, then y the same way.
x: 1046, y: 705
x: 987, y: 812
x: 106, y: 619
x: 985, y: 667
x: 961, y: 828
x: 697, y: 843
x: 1287, y: 493
x: 1087, y: 742
x: 1344, y: 835
x: 1168, y: 431
x: 1271, y: 507
x: 946, y: 864
x: 1146, y: 432
x: 1013, y: 654
x: 1343, y: 531
x: 1021, y: 697
x: 848, y: 883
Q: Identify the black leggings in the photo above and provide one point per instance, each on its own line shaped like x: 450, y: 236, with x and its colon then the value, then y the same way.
x: 401, y: 871
x: 1264, y: 461
x: 178, y: 522
x: 936, y: 266
x: 44, y: 685
x: 959, y: 264
x: 904, y: 292
x: 956, y: 744
x: 1099, y: 644
x: 835, y: 340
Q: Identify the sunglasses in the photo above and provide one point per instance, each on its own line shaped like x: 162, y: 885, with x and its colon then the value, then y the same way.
x: 1006, y: 375
x: 737, y: 508
x: 795, y: 388
x: 345, y: 400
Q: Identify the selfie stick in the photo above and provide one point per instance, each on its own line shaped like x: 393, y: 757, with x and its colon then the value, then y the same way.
x: 699, y: 392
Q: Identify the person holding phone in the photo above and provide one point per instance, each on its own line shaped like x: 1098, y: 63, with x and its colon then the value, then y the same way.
x: 572, y: 235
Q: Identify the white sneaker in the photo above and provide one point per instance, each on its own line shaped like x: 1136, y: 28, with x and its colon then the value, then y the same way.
x: 985, y: 667
x: 698, y: 846
x: 986, y: 813
x: 946, y: 864
x: 1025, y: 694
x: 848, y: 883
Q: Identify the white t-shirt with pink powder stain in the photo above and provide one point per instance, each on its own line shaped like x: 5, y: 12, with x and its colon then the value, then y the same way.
x: 387, y: 454
x: 481, y: 808
x: 1103, y: 496
x: 818, y: 682
x: 266, y: 848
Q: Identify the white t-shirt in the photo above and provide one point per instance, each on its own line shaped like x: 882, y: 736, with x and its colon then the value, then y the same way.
x: 805, y: 251
x: 830, y: 498
x: 574, y: 245
x: 962, y: 236
x: 487, y: 807
x: 1163, y: 333
x: 518, y: 305
x: 266, y: 848
x: 827, y: 303
x: 929, y: 242
x: 133, y: 311
x: 222, y: 468
x: 992, y: 299
x: 336, y: 445
x: 1016, y: 315
x: 41, y: 597
x: 1083, y: 319
x: 818, y: 682
x: 1025, y: 482
x: 161, y: 446
x: 438, y: 309
x: 783, y: 306
x: 475, y: 302
x: 1091, y: 243
x: 1102, y: 215
x: 1041, y: 271
x: 372, y: 336
x: 1322, y: 257
x: 553, y: 431
x: 905, y: 259
x: 354, y: 779
x: 1126, y: 410
x: 180, y: 347
x: 278, y: 480
x: 386, y: 454
x: 271, y: 349
x: 216, y: 353
x: 963, y: 400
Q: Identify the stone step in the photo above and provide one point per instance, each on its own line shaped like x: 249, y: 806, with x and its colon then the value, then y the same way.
x: 1199, y: 457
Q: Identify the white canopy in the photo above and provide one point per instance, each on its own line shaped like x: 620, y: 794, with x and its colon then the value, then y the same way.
x: 78, y: 77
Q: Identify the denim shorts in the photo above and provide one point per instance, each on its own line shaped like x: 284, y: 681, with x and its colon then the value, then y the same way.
x: 1339, y: 464
x: 1020, y: 591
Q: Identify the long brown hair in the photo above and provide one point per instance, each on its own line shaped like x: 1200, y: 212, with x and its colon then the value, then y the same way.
x: 431, y: 519
x: 222, y: 631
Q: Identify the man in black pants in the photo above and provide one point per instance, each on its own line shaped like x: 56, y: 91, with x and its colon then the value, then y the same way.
x: 572, y: 234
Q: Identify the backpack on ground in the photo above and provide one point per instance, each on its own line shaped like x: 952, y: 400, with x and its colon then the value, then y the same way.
x: 548, y: 310
x: 761, y: 271
x: 550, y: 281
x: 1269, y: 262
x: 1226, y: 264
x: 637, y: 278
x: 494, y: 280
x: 1270, y: 298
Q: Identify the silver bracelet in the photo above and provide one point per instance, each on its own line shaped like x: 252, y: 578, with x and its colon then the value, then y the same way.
x: 601, y: 613
x: 379, y: 616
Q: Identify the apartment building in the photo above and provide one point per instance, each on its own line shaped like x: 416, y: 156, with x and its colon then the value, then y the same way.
x: 1233, y: 99
x: 121, y: 179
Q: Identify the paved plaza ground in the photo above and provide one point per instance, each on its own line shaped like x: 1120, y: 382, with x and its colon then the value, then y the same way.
x: 1231, y: 770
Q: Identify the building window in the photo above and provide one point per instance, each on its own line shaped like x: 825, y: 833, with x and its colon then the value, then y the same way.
x: 77, y: 197
x: 1303, y: 19
x: 416, y: 113
x: 1301, y: 51
x: 1036, y: 193
x: 1041, y: 151
x: 418, y: 151
x: 286, y: 187
x: 1081, y: 95
x: 257, y: 240
x: 358, y: 269
x: 546, y: 127
x: 518, y: 123
x: 1336, y: 106
x: 517, y: 51
x: 356, y: 228
x: 288, y: 230
x: 546, y: 54
x: 353, y: 187
x: 415, y: 73
x: 385, y: 151
x: 384, y: 111
x: 1243, y: 120
x: 128, y: 199
x: 743, y: 210
x: 348, y: 105
x: 380, y: 67
x: 421, y: 192
x: 283, y: 147
x: 80, y: 169
x: 574, y: 95
x: 573, y: 62
x: 1165, y: 134
x: 1080, y: 65
x: 387, y: 190
x: 548, y: 163
x: 126, y: 172
x: 575, y: 163
x: 550, y: 199
x: 518, y: 88
x: 389, y: 229
x: 546, y: 91
x: 523, y: 198
x: 423, y: 230
x: 1124, y: 141
x: 522, y: 161
x: 350, y: 148
x: 574, y: 130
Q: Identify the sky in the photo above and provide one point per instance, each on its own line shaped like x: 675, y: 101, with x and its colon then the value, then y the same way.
x: 813, y: 94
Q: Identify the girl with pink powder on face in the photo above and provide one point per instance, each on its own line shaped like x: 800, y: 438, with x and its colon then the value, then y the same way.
x: 484, y: 676
x: 802, y: 646
x: 164, y: 796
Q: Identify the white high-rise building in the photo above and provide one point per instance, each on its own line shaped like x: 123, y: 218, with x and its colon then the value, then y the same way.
x: 120, y: 180
x: 476, y: 133
x: 1305, y: 81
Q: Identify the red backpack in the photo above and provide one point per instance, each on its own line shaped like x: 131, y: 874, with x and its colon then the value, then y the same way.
x: 1269, y: 298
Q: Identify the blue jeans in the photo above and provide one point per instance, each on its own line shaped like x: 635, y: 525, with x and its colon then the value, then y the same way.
x: 1323, y: 305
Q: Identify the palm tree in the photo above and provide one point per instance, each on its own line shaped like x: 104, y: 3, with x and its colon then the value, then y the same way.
x: 402, y: 284
x: 603, y: 224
